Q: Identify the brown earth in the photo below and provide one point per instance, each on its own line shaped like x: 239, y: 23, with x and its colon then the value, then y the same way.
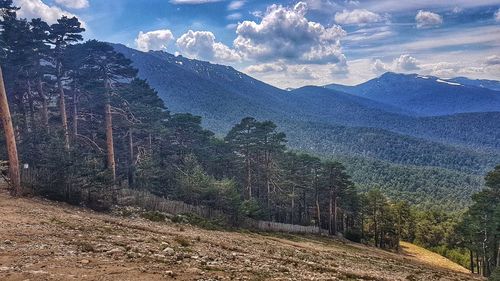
x: 44, y: 240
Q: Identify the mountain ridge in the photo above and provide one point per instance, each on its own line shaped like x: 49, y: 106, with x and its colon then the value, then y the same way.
x: 425, y: 95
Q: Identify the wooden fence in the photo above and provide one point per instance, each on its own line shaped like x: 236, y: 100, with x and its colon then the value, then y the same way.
x: 152, y: 202
x: 284, y: 227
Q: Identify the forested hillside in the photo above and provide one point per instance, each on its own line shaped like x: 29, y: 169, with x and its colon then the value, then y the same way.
x: 335, y: 124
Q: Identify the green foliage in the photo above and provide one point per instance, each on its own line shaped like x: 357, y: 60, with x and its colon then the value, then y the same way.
x: 495, y: 276
x: 154, y: 216
x: 251, y: 208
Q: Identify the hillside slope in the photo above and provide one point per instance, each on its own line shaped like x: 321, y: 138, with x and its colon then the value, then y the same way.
x: 42, y: 240
x: 335, y: 124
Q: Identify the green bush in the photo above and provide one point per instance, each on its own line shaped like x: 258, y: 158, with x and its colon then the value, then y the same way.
x: 154, y: 216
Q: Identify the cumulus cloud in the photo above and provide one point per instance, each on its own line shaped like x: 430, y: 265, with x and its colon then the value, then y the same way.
x: 357, y: 16
x: 378, y: 67
x: 236, y: 5
x: 497, y: 15
x: 37, y: 9
x: 493, y: 60
x: 301, y: 72
x: 285, y: 33
x: 403, y: 63
x: 406, y: 63
x: 74, y: 4
x: 267, y: 67
x: 202, y: 45
x: 426, y: 19
x: 153, y: 40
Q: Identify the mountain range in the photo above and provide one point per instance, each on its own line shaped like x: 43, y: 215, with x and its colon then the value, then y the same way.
x: 387, y: 130
x: 428, y: 95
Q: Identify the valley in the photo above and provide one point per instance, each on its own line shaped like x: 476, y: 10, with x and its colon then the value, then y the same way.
x: 341, y: 122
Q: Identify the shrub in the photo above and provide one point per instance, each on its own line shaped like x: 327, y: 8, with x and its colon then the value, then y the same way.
x: 154, y: 216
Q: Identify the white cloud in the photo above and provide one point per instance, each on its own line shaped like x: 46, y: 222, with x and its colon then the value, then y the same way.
x: 357, y: 16
x: 74, y: 4
x: 493, y: 60
x: 378, y: 67
x: 234, y: 16
x: 412, y: 5
x: 497, y: 15
x: 405, y: 62
x: 37, y: 9
x: 236, y: 5
x: 301, y: 72
x: 154, y: 40
x: 202, y: 45
x: 285, y: 33
x: 193, y: 2
x: 426, y: 19
x: 267, y: 67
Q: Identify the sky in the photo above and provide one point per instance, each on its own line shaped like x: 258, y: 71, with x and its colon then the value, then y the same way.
x: 306, y: 42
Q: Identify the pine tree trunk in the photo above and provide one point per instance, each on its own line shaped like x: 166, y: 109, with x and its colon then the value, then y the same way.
x: 31, y: 107
x: 471, y: 261
x: 75, y: 115
x: 131, y: 158
x: 109, y: 135
x: 62, y: 107
x: 45, y: 111
x: 335, y: 213
x: 10, y: 138
x: 330, y: 214
x: 318, y: 211
x: 268, y: 182
x: 293, y: 205
x: 249, y: 176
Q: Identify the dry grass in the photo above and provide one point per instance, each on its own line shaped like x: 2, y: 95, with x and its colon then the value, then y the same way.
x: 431, y: 258
x: 43, y: 240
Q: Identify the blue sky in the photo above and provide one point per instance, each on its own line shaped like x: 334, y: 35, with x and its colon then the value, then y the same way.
x: 295, y: 43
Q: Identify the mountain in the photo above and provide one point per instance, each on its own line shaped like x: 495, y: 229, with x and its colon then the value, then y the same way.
x: 483, y: 83
x: 425, y: 95
x: 336, y: 123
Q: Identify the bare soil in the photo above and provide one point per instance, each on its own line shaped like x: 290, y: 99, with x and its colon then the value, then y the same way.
x: 44, y: 240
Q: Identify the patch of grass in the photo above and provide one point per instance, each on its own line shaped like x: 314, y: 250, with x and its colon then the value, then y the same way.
x: 182, y: 241
x: 154, y: 216
x: 210, y: 224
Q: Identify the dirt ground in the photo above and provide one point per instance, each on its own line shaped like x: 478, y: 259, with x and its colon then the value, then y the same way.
x: 44, y: 240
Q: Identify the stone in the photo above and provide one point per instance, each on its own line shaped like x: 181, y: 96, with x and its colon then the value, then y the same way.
x: 168, y: 251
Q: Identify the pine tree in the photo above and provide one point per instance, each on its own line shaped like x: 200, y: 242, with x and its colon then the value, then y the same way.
x: 63, y: 33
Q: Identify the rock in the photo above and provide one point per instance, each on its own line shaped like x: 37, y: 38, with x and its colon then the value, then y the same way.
x: 194, y: 270
x: 168, y: 251
x: 115, y: 251
x: 84, y: 261
x: 170, y: 273
x: 158, y: 256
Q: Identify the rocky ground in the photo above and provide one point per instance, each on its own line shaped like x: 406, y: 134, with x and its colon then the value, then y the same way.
x: 43, y: 240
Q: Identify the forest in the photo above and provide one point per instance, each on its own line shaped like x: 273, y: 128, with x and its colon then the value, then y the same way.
x: 79, y: 126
